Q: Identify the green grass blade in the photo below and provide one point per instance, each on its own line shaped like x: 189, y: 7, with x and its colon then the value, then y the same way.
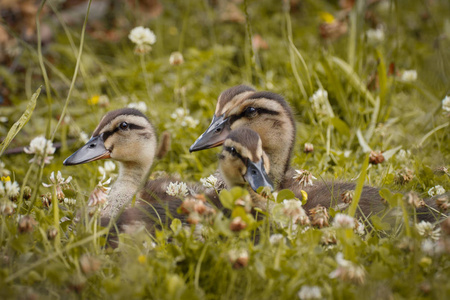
x: 382, y: 78
x: 359, y: 187
x: 75, y: 72
x: 353, y: 79
x: 362, y: 141
x: 373, y: 120
x: 21, y: 122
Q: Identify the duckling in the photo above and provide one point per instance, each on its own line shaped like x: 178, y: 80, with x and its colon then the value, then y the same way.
x: 270, y: 116
x: 128, y: 137
x: 243, y: 162
x: 266, y: 113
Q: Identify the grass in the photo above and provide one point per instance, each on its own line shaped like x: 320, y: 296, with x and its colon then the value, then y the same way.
x: 368, y: 108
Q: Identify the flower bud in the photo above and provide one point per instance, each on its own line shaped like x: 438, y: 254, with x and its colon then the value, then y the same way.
x: 176, y: 58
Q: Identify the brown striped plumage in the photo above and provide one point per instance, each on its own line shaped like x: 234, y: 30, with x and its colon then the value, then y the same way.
x: 130, y: 139
x: 273, y: 120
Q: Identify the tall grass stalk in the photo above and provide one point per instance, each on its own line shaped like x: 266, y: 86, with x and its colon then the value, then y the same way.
x: 144, y: 73
x: 291, y: 55
x: 75, y: 73
x: 359, y: 187
x: 249, y: 53
x: 430, y: 133
x: 43, y: 70
x: 55, y: 207
x: 71, y: 41
x: 199, y: 265
x: 24, y: 184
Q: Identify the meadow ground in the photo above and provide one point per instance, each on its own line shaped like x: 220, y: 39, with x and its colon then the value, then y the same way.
x: 361, y: 76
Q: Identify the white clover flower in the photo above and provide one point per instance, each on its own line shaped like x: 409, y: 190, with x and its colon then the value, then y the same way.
x: 308, y: 148
x: 139, y: 106
x: 3, y: 170
x: 140, y: 36
x: 238, y: 258
x: 70, y: 201
x: 209, y: 182
x: 181, y: 116
x: 108, y: 168
x: 343, y: 221
x: 103, y: 184
x: 177, y: 189
x: 304, y: 178
x: 309, y: 292
x: 176, y: 58
x: 59, y: 181
x: 426, y: 229
x: 359, y: 228
x: 348, y: 271
x: 99, y: 195
x: 12, y: 189
x: 436, y: 190
x: 84, y: 137
x: 7, y: 207
x: 189, y: 122
x: 375, y: 36
x: 37, y: 147
x: 446, y: 104
x: 103, y: 100
x: 320, y: 104
x: 293, y: 209
x: 276, y: 238
x: 428, y: 246
x: 409, y: 76
x: 3, y: 119
x: 179, y: 113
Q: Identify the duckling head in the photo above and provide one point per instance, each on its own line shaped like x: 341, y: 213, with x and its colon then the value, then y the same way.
x: 242, y: 160
x: 266, y: 113
x: 124, y: 135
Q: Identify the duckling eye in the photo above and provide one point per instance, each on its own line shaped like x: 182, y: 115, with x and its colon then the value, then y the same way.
x: 250, y: 112
x: 233, y: 151
x: 123, y: 125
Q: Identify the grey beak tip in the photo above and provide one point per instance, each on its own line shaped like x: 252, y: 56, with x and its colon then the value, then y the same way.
x: 66, y: 162
x: 194, y: 147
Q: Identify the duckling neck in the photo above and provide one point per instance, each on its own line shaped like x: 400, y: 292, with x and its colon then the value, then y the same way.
x: 278, y: 143
x: 131, y: 176
x: 279, y: 163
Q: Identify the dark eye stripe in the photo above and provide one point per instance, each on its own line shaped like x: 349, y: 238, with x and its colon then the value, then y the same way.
x: 259, y: 110
x: 228, y: 149
x: 107, y: 134
x: 134, y: 126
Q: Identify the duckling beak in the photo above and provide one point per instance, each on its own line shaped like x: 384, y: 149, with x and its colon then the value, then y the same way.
x: 93, y: 150
x: 214, y: 135
x: 256, y: 175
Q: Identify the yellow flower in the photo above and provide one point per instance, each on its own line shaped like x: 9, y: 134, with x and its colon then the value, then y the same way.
x: 93, y: 100
x: 326, y: 17
x: 142, y: 259
x: 5, y: 179
x: 304, y: 195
